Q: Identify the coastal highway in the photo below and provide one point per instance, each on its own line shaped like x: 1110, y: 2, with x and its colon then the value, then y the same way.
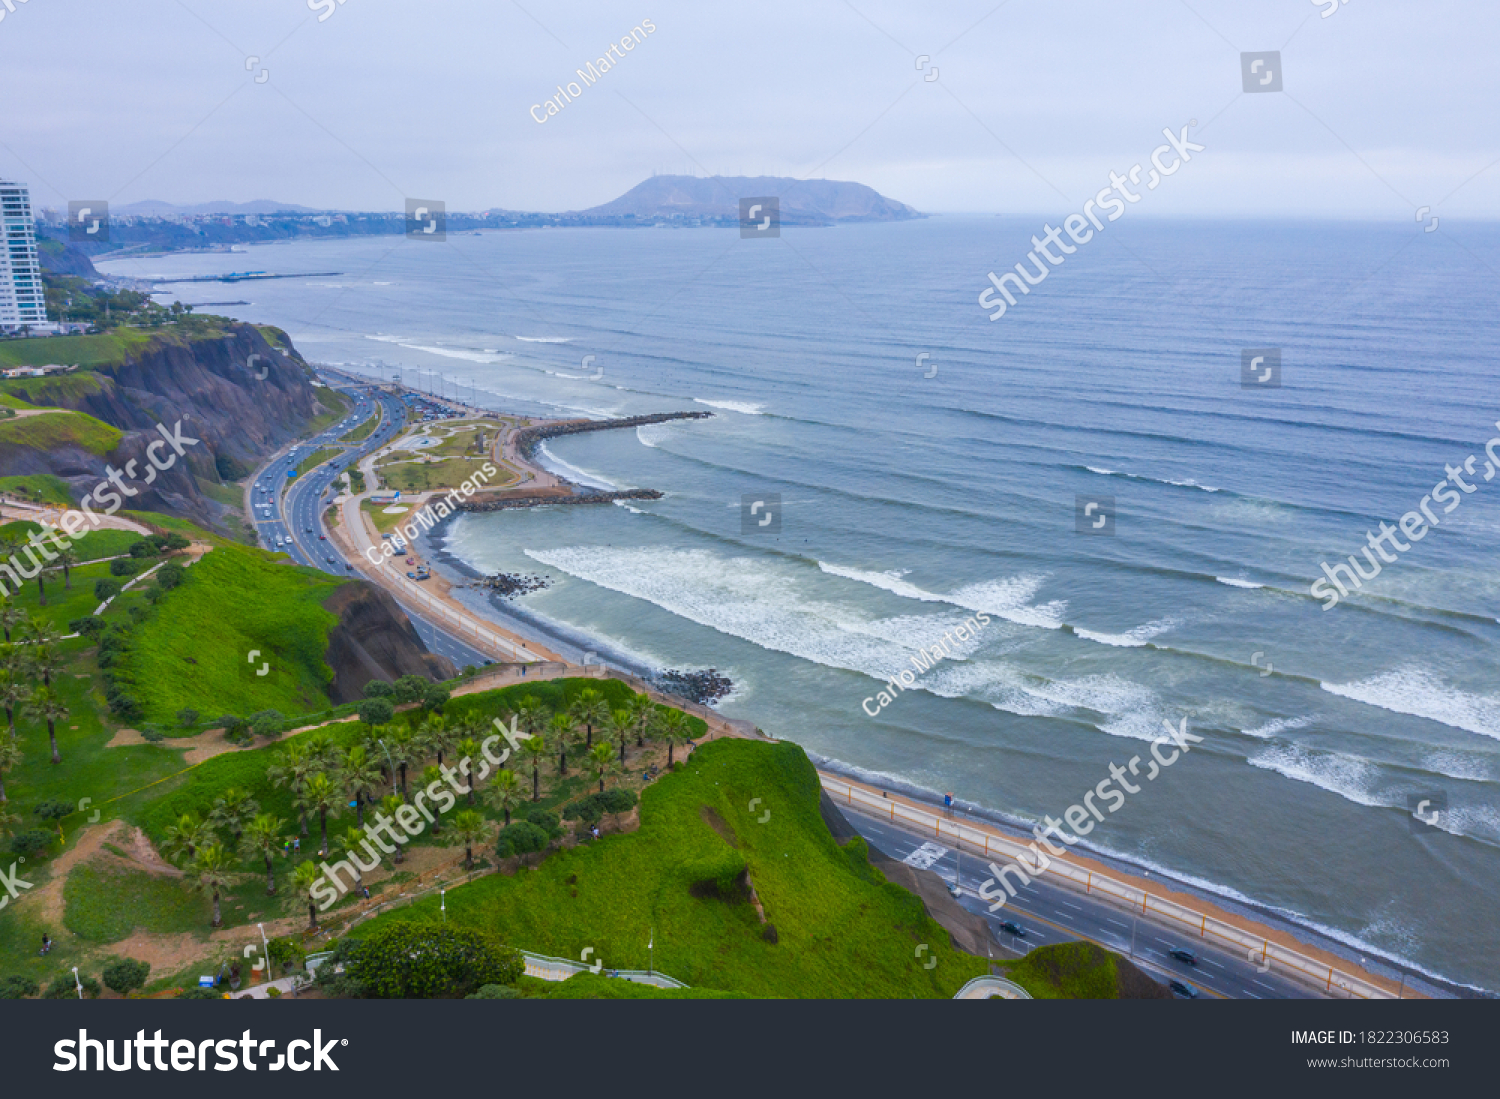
x: 1051, y: 913
x: 292, y: 509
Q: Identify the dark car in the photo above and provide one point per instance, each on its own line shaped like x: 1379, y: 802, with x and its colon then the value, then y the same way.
x: 1187, y: 992
x: 1013, y: 928
x: 1185, y: 956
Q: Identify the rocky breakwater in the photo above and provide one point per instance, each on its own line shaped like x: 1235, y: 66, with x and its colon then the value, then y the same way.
x: 529, y: 438
x: 554, y: 501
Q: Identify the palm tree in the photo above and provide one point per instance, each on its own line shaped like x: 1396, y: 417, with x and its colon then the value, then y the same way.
x: 434, y: 738
x: 643, y: 714
x: 293, y: 767
x: 359, y: 775
x: 210, y: 871
x: 535, y: 749
x: 306, y: 876
x: 504, y: 794
x: 185, y: 836
x: 589, y: 709
x: 11, y: 615
x: 41, y: 656
x: 232, y: 810
x: 44, y: 705
x: 320, y: 795
x: 400, y: 742
x: 469, y: 749
x: 388, y: 805
x: 562, y: 729
x: 532, y: 715
x: 620, y: 726
x: 10, y: 759
x: 674, y: 730
x: 352, y: 839
x: 14, y: 691
x: 430, y: 775
x: 602, y: 762
x: 469, y: 824
x: 67, y: 559
x: 263, y: 836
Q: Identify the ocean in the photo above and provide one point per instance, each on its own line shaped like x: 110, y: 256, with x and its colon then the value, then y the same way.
x: 931, y: 465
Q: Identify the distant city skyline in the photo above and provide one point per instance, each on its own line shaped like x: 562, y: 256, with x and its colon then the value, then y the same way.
x: 982, y: 108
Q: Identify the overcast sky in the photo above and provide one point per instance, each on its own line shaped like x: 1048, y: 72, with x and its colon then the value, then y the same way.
x: 1388, y: 104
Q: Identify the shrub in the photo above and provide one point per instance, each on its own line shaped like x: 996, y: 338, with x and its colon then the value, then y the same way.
x: 187, y: 718
x: 377, y: 688
x: 376, y: 711
x: 495, y: 992
x: 409, y: 688
x: 16, y: 988
x: 146, y: 547
x: 413, y: 961
x: 547, y: 821
x: 122, y: 566
x: 288, y: 952
x: 170, y: 575
x: 273, y: 993
x: 31, y: 842
x: 721, y: 875
x: 53, y: 810
x: 87, y: 627
x: 125, y: 975
x: 266, y: 722
x: 106, y: 589
x: 152, y: 735
x: 521, y: 838
x: 768, y: 933
x: 64, y: 988
x: 434, y: 698
x: 199, y: 994
x: 175, y: 542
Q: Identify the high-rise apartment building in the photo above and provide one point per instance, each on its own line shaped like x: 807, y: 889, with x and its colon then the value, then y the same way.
x: 21, y: 298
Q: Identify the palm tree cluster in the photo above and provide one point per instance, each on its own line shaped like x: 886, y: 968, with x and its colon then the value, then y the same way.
x: 29, y: 660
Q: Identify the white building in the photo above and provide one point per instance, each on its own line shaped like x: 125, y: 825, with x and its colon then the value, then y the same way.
x: 21, y: 298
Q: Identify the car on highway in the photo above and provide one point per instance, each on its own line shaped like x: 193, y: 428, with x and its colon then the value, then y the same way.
x: 1187, y: 957
x: 322, y: 538
x: 279, y: 541
x: 1012, y: 928
x: 412, y: 575
x: 1187, y: 992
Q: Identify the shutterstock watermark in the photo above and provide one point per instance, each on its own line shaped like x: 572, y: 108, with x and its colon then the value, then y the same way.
x: 412, y: 820
x: 1180, y: 148
x: 425, y: 519
x: 11, y: 884
x: 590, y: 73
x: 1415, y: 526
x: 108, y: 493
x: 185, y: 1055
x: 1083, y: 818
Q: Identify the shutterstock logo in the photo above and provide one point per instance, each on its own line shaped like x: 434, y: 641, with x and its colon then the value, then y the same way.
x: 146, y: 1054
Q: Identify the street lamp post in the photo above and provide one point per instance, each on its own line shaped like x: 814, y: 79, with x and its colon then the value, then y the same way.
x: 77, y: 982
x: 443, y: 903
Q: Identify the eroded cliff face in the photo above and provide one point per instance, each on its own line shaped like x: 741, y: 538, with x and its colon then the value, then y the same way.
x: 374, y: 640
x: 212, y: 386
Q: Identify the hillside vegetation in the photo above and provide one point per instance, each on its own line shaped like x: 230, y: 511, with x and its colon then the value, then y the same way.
x: 840, y: 929
x: 193, y: 652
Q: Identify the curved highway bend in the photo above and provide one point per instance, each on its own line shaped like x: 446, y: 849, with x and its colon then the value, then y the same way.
x: 295, y: 514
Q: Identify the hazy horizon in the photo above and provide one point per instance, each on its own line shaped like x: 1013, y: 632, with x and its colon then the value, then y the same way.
x: 1016, y: 109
